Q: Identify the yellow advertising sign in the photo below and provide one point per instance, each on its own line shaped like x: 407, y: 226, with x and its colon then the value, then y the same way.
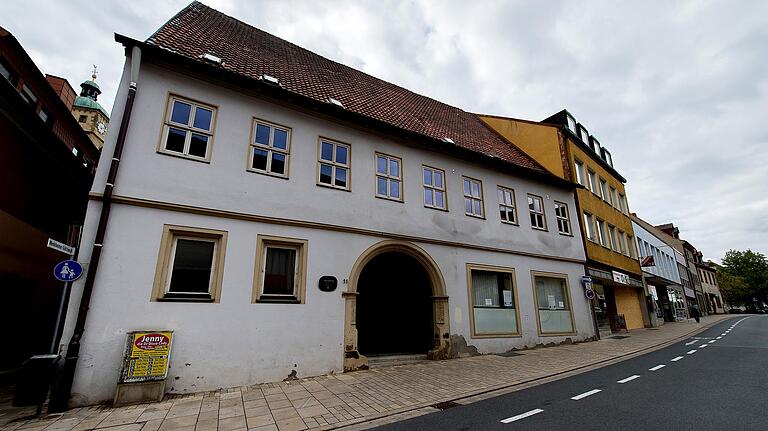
x: 147, y: 356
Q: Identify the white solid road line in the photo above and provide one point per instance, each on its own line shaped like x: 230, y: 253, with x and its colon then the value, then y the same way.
x: 628, y: 379
x: 586, y: 394
x: 657, y: 367
x: 677, y: 359
x: 690, y: 352
x: 521, y: 416
x: 692, y: 342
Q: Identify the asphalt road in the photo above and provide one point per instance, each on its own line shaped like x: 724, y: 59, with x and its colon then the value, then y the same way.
x: 723, y: 386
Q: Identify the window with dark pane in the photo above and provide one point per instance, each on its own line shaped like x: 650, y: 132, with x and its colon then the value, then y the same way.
x: 270, y: 148
x: 334, y: 164
x: 279, y: 271
x: 507, y: 208
x: 473, y: 197
x: 563, y: 219
x: 434, y: 187
x: 192, y: 266
x: 388, y: 177
x: 188, y: 129
x: 536, y: 211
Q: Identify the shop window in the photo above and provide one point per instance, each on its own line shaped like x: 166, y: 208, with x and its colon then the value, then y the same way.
x: 190, y: 264
x: 553, y: 305
x: 494, y: 301
x: 281, y: 269
x: 188, y: 129
x: 270, y: 148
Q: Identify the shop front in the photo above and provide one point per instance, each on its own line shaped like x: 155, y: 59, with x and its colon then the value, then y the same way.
x: 619, y: 301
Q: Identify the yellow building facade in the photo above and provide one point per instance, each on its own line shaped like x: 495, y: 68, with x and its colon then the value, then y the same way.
x: 565, y: 148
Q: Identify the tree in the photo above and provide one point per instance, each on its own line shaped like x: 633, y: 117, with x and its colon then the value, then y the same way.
x: 734, y: 289
x: 752, y: 268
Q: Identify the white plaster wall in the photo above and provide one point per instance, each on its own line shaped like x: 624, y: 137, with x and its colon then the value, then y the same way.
x: 236, y: 342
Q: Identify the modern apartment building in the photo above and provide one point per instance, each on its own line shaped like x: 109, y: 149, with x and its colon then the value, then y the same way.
x: 691, y: 281
x: 286, y: 215
x: 569, y: 151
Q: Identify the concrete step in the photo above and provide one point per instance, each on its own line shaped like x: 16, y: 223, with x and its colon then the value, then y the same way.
x: 379, y: 361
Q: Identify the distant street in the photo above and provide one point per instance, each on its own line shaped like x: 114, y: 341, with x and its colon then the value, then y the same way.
x: 716, y: 380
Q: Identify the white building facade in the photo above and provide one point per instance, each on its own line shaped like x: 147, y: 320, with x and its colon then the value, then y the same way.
x: 234, y: 213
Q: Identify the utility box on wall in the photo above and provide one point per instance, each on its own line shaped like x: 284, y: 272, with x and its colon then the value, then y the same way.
x: 145, y: 367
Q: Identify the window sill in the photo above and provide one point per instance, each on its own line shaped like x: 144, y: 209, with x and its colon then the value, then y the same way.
x: 475, y: 216
x: 184, y: 156
x: 436, y: 208
x: 185, y: 299
x: 331, y: 186
x: 265, y: 299
x: 543, y: 229
x: 566, y: 234
x: 510, y: 223
x: 270, y: 174
x: 387, y: 198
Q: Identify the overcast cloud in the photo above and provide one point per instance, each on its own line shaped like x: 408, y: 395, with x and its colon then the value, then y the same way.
x: 678, y: 91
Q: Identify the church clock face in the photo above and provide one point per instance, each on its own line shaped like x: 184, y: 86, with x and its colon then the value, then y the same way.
x: 101, y: 127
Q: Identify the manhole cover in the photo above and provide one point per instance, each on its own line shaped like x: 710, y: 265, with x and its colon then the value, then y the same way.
x: 619, y: 337
x: 445, y: 405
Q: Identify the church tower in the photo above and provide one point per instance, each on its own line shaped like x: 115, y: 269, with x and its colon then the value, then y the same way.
x: 89, y: 113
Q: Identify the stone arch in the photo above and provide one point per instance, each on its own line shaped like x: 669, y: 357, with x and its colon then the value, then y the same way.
x: 353, y: 360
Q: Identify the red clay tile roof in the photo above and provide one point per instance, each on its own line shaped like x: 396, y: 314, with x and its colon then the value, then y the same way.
x: 250, y: 52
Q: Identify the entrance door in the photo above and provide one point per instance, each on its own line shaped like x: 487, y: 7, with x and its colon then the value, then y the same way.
x: 394, y: 306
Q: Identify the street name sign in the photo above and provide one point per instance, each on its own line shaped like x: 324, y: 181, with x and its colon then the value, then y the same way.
x: 60, y: 246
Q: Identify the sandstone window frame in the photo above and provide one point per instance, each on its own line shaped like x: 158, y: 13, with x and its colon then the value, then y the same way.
x: 568, y: 303
x: 269, y: 148
x: 563, y: 218
x: 388, y: 177
x: 333, y: 163
x: 507, y: 205
x: 434, y: 189
x: 166, y: 257
x: 538, y: 215
x: 473, y: 198
x: 189, y: 128
x: 515, y: 301
x: 263, y: 244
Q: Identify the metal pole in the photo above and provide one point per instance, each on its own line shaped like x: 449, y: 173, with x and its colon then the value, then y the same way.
x: 57, y: 327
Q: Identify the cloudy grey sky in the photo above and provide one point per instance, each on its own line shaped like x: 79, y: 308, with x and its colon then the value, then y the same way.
x: 677, y: 90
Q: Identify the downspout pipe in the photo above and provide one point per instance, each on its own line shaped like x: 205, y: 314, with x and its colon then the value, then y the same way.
x: 60, y: 397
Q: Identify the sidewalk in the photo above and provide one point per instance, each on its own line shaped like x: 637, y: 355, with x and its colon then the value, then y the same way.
x: 334, y: 401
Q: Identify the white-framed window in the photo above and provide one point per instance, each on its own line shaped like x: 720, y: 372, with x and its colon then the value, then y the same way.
x: 494, y: 301
x: 281, y: 265
x: 584, y: 135
x: 473, y: 197
x: 622, y: 242
x: 604, y: 190
x: 389, y: 177
x: 631, y: 247
x: 602, y: 236
x: 563, y: 218
x: 589, y: 226
x: 536, y: 212
x: 614, y: 199
x: 593, y: 186
x: 614, y: 239
x: 434, y: 188
x: 507, y: 205
x: 623, y: 204
x: 28, y: 95
x: 607, y: 157
x: 188, y: 129
x: 553, y: 305
x: 334, y: 164
x: 270, y: 148
x: 190, y: 264
x: 570, y: 122
x: 580, y: 175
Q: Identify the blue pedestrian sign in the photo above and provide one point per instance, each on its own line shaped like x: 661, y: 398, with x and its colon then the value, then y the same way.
x: 68, y: 270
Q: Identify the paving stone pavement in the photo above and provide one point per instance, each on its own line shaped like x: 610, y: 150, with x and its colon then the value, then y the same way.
x: 351, y: 399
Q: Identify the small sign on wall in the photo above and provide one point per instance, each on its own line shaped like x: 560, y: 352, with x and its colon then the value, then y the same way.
x: 147, y: 354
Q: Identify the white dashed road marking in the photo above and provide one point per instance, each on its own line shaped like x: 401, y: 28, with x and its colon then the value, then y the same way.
x: 657, y: 367
x: 690, y: 352
x: 521, y: 416
x: 692, y: 342
x: 586, y: 394
x: 712, y: 341
x: 703, y: 346
x: 677, y: 359
x: 719, y: 337
x: 628, y: 379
